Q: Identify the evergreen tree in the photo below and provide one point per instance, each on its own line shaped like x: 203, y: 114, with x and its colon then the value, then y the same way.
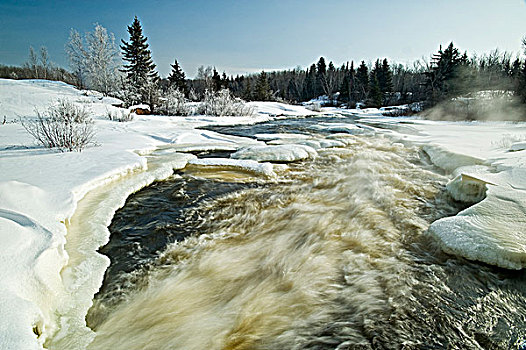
x: 262, y: 90
x: 142, y: 79
x: 362, y: 81
x: 309, y: 90
x: 216, y: 79
x: 321, y: 77
x: 177, y: 78
x: 386, y: 82
x: 440, y: 79
x: 375, y: 93
x: 521, y: 82
x: 247, y: 92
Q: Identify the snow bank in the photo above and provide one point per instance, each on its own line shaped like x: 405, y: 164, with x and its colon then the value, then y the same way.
x: 518, y: 146
x: 277, y: 153
x: 492, y: 231
x: 280, y: 109
x: 485, y: 172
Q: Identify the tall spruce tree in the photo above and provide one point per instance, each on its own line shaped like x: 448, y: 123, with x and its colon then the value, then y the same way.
x: 177, y: 78
x: 309, y: 89
x: 321, y: 76
x: 142, y: 79
x: 262, y: 89
x: 440, y: 79
x: 375, y: 91
x: 386, y: 82
x: 362, y: 81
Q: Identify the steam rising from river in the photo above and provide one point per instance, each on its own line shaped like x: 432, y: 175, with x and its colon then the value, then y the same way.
x: 332, y: 255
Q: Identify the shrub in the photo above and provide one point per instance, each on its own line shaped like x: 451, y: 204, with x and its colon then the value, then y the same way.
x: 222, y: 103
x: 64, y: 126
x: 315, y: 107
x: 175, y: 103
x: 120, y: 115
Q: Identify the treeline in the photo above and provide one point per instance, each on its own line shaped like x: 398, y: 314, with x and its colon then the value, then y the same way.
x: 95, y: 63
x: 38, y: 66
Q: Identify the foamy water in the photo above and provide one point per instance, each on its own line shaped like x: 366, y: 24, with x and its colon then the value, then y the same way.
x: 332, y: 255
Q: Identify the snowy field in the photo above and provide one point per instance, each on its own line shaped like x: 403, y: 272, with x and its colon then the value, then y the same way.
x: 46, y: 292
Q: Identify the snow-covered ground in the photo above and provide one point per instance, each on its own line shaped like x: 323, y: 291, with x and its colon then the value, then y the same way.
x: 40, y: 190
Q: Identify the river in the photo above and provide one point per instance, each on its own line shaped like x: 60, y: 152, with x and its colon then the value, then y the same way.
x: 331, y: 254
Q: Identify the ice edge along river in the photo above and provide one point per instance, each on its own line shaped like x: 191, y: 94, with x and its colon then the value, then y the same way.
x: 40, y: 191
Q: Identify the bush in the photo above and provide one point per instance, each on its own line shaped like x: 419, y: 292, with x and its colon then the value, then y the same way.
x: 175, y: 103
x: 222, y: 103
x: 64, y: 126
x: 315, y: 107
x: 120, y: 115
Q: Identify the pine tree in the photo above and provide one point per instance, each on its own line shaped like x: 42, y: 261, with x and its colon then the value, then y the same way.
x: 262, y: 90
x: 216, y: 79
x: 247, y: 92
x: 386, y: 82
x: 177, y: 78
x: 440, y: 79
x: 142, y: 79
x: 375, y: 93
x: 321, y: 76
x: 521, y: 82
x: 362, y: 81
x: 309, y: 89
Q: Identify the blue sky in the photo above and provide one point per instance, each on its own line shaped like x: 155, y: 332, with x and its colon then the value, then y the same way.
x: 247, y: 36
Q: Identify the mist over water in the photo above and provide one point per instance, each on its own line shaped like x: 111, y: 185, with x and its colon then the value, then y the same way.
x: 331, y: 255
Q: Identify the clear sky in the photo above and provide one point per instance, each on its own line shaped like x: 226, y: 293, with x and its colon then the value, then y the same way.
x: 248, y: 36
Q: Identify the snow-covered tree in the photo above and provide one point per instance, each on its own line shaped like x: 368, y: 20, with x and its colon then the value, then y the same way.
x: 77, y: 57
x: 101, y: 60
x: 204, y: 76
x: 94, y: 59
x: 175, y: 103
x: 44, y: 62
x: 33, y: 62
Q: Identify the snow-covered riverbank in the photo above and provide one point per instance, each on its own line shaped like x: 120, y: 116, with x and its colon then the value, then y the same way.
x: 40, y: 190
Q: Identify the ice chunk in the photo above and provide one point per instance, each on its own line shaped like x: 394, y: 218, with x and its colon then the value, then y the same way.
x: 492, y: 231
x: 518, y: 146
x: 469, y: 184
x: 277, y: 153
x: 270, y: 137
x: 448, y: 160
x: 266, y: 169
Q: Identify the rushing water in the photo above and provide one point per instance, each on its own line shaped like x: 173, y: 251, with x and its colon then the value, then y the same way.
x: 331, y: 255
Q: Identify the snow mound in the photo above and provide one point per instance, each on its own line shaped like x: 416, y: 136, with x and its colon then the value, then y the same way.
x: 491, y: 231
x: 276, y: 153
x: 252, y: 166
x: 518, y: 146
x: 450, y: 161
x: 280, y: 109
